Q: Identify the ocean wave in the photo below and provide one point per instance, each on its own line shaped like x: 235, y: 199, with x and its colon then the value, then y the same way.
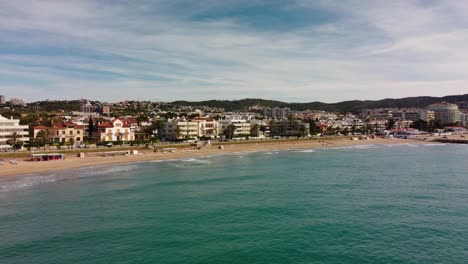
x: 369, y: 146
x: 304, y: 151
x: 197, y: 161
x: 27, y: 181
x: 108, y: 169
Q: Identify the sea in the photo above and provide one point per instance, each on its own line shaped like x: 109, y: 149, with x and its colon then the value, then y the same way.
x: 362, y: 204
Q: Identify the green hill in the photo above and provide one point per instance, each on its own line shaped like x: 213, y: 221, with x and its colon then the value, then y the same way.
x: 346, y: 106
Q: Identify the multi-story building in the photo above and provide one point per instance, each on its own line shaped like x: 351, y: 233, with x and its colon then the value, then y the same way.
x: 115, y: 130
x: 2, y: 99
x: 413, y: 114
x: 87, y: 108
x: 277, y: 113
x: 106, y: 110
x: 62, y: 132
x: 242, y: 126
x: 289, y: 128
x: 446, y: 113
x: 10, y: 126
x: 207, y: 127
x: 180, y: 129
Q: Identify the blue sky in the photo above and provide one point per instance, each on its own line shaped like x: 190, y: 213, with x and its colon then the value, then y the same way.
x: 304, y: 50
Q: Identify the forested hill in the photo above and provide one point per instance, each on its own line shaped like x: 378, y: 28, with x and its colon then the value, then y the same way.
x: 346, y: 106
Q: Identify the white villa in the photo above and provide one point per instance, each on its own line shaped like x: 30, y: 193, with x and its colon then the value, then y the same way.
x: 116, y: 130
x: 9, y: 126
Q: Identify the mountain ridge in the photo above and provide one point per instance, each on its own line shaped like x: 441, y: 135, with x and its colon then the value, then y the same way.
x: 344, y: 106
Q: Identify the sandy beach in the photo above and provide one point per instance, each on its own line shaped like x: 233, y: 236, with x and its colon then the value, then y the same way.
x: 29, y: 167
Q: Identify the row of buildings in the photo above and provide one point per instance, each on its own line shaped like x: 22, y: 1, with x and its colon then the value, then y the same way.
x: 283, y: 122
x: 443, y: 113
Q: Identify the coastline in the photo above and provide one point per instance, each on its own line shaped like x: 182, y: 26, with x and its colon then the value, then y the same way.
x: 29, y: 167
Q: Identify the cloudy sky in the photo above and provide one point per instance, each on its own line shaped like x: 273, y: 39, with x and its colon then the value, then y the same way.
x: 304, y: 50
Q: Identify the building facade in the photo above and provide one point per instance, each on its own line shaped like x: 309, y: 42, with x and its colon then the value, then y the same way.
x: 62, y: 132
x: 2, y: 99
x: 276, y: 112
x: 242, y: 126
x: 115, y: 130
x: 446, y: 113
x: 10, y: 126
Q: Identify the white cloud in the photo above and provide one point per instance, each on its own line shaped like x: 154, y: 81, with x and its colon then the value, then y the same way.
x: 373, y: 50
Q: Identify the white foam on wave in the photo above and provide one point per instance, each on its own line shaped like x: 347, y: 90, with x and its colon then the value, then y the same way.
x: 305, y: 151
x: 369, y: 146
x: 197, y: 161
x: 108, y: 169
x: 434, y: 144
x: 27, y: 181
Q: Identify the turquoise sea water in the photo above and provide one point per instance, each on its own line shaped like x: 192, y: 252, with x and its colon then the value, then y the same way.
x: 364, y: 204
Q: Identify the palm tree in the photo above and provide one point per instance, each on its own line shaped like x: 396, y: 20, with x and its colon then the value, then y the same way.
x: 13, y: 138
x: 44, y: 136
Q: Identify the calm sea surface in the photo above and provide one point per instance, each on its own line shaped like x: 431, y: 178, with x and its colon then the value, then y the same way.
x: 365, y: 204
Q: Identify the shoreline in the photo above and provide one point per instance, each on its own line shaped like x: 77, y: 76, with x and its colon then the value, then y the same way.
x: 29, y: 167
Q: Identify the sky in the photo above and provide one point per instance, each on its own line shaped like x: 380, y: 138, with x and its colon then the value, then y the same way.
x: 295, y: 51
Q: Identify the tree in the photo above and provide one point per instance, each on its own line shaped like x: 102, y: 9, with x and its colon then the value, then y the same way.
x: 71, y: 142
x: 141, y: 118
x: 43, y: 136
x: 254, y: 130
x: 420, y: 124
x: 229, y: 131
x: 390, y: 124
x: 91, y: 127
x: 302, y: 130
x: 177, y: 133
x: 13, y: 139
x: 263, y: 129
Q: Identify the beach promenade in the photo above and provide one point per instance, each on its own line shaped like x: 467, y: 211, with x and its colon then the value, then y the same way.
x: 25, y: 166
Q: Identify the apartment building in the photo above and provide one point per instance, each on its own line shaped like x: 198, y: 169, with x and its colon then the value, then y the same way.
x: 446, y: 113
x: 10, y: 126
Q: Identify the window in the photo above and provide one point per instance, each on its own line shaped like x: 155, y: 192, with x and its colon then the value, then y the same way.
x: 71, y: 133
x: 63, y: 132
x: 78, y: 132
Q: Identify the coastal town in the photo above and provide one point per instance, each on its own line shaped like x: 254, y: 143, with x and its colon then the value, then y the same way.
x: 58, y: 125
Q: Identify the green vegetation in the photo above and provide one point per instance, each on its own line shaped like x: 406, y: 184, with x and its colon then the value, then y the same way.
x: 346, y: 106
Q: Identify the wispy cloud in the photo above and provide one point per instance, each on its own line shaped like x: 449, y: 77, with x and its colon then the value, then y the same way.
x: 300, y: 51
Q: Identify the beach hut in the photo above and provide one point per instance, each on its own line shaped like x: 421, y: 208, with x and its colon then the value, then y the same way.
x: 47, y: 157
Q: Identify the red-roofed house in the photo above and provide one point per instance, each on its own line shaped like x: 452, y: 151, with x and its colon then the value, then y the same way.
x: 62, y: 132
x: 116, y: 130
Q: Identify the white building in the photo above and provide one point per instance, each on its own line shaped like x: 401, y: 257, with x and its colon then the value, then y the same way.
x: 180, y: 128
x: 242, y: 126
x: 8, y: 127
x: 116, y: 130
x: 207, y: 127
x: 446, y: 113
x: 2, y: 99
